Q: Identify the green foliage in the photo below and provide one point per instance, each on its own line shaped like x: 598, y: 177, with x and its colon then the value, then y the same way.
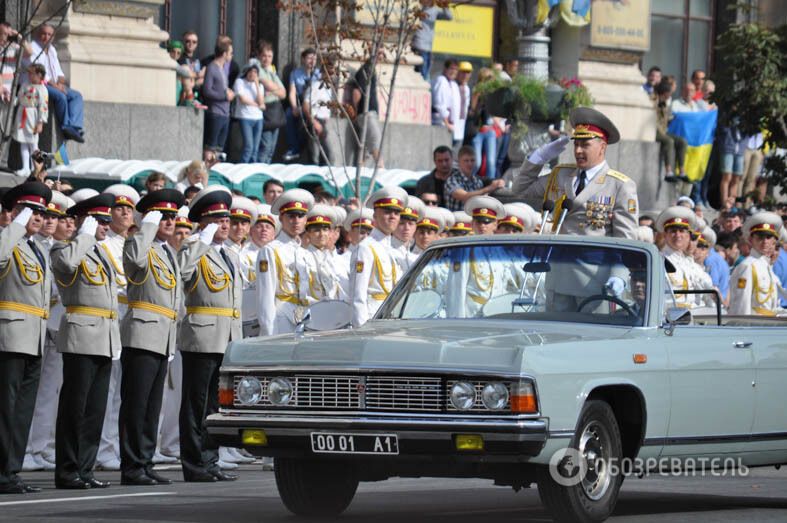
x: 575, y: 95
x: 751, y: 86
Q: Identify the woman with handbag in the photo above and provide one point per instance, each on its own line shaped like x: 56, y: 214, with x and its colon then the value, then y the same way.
x: 273, y: 115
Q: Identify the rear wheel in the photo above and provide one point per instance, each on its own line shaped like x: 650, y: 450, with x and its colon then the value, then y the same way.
x: 583, y: 486
x: 315, y: 488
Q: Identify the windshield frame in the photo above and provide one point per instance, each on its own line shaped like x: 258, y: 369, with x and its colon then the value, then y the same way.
x: 653, y: 307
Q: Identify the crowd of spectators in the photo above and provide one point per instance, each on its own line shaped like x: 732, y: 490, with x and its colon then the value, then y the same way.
x: 737, y: 157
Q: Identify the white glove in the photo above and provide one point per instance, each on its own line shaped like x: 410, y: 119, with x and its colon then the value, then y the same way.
x: 24, y: 216
x: 548, y: 152
x: 615, y: 286
x: 152, y: 217
x: 206, y: 234
x: 89, y: 226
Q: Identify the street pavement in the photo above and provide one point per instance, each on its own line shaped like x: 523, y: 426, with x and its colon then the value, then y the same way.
x: 759, y: 497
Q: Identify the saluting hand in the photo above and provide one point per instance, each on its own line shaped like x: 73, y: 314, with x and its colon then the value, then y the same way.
x: 89, y: 226
x: 153, y: 217
x: 206, y: 234
x: 548, y: 152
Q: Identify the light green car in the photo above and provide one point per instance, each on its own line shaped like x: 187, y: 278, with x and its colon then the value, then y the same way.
x: 523, y: 359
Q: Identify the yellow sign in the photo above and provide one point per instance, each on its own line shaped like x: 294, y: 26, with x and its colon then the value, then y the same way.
x: 619, y: 24
x: 470, y: 33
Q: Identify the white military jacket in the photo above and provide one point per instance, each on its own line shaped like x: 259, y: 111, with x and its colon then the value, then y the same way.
x: 754, y: 288
x: 688, y: 275
x: 373, y: 274
x: 279, y: 299
x: 317, y: 276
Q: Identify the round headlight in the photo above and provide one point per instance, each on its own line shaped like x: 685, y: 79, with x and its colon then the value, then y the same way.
x: 463, y: 395
x: 495, y: 396
x: 248, y: 390
x: 280, y: 391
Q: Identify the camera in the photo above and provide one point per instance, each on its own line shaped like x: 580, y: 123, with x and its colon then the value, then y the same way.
x: 44, y: 158
x: 221, y: 157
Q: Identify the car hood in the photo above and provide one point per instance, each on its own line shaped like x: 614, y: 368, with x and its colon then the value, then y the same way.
x: 477, y: 345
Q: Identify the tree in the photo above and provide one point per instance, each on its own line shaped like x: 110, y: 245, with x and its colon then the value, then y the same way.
x: 751, y: 88
x: 366, y: 31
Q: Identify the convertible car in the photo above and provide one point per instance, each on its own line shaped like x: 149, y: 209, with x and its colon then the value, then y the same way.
x: 522, y: 359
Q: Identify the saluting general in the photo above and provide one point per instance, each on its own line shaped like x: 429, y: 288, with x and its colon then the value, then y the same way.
x: 88, y: 339
x: 25, y: 280
x: 279, y: 299
x: 213, y: 291
x: 604, y: 200
x: 148, y: 333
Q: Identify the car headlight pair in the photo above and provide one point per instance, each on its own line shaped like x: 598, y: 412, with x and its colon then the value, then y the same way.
x: 249, y: 391
x: 494, y: 395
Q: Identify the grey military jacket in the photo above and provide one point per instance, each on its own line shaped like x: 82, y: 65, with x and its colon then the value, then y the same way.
x: 154, y: 288
x: 608, y: 206
x: 86, y: 280
x: 25, y: 286
x: 209, y: 283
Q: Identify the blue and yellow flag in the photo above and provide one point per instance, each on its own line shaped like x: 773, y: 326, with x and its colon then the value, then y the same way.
x: 698, y: 128
x: 61, y: 156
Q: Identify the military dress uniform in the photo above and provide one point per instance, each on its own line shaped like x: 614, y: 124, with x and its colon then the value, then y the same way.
x: 279, y: 300
x: 109, y: 450
x: 373, y: 267
x: 754, y: 288
x: 248, y: 256
x: 213, y: 292
x: 25, y: 280
x: 148, y: 333
x: 605, y: 201
x: 245, y: 210
x: 404, y: 251
x: 317, y: 276
x: 88, y: 339
x: 463, y: 224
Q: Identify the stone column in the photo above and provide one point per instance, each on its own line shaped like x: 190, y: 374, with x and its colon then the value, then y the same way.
x: 534, y: 54
x: 110, y: 51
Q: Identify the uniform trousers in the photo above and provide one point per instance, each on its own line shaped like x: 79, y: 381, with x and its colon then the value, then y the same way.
x: 169, y: 437
x: 199, y: 453
x: 80, y: 414
x: 109, y: 448
x: 18, y: 384
x: 141, y: 391
x: 42, y: 430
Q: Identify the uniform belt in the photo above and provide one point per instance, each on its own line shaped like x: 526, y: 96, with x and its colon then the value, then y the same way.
x: 289, y: 298
x: 379, y: 296
x: 25, y: 308
x: 123, y: 299
x: 152, y: 307
x: 214, y: 311
x: 762, y: 311
x: 92, y: 311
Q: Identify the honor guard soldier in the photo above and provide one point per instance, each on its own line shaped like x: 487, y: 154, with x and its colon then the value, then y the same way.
x: 604, y: 200
x: 148, y: 333
x: 41, y: 444
x: 317, y: 276
x: 428, y: 229
x: 126, y: 198
x: 213, y: 291
x: 463, y: 224
x: 448, y: 221
x: 678, y: 224
x: 403, y: 240
x: 517, y: 219
x: 88, y: 339
x: 359, y: 224
x: 263, y: 231
x: 485, y: 212
x: 754, y: 288
x: 243, y: 213
x: 278, y: 291
x: 373, y: 267
x: 25, y: 281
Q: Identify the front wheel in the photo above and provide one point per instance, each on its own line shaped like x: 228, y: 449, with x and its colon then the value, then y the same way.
x: 315, y: 488
x: 583, y: 485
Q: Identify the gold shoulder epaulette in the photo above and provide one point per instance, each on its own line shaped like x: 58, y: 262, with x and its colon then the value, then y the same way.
x: 618, y: 175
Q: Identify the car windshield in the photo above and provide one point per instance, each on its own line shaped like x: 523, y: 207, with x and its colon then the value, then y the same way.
x: 528, y: 281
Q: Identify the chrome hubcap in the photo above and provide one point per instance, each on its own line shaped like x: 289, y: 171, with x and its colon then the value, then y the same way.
x: 594, y: 447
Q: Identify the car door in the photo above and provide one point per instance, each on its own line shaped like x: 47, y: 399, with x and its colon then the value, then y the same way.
x: 712, y: 397
x: 769, y: 432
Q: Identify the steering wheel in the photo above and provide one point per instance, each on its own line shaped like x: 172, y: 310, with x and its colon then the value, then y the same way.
x: 606, y: 297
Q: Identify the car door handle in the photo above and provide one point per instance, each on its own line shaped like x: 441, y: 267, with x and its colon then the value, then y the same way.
x: 742, y: 344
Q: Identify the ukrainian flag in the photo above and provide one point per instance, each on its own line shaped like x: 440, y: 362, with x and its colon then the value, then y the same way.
x: 61, y: 156
x: 698, y: 128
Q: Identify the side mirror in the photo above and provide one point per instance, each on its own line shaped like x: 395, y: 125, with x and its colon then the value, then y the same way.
x: 674, y: 316
x: 301, y: 327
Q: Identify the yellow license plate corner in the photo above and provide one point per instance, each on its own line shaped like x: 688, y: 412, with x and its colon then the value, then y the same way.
x: 255, y: 437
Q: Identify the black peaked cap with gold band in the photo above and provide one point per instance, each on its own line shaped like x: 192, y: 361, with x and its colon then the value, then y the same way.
x: 99, y: 207
x: 35, y: 195
x: 163, y: 200
x: 213, y: 201
x: 590, y: 123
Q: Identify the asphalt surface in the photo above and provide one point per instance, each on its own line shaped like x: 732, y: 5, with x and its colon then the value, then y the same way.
x: 759, y: 497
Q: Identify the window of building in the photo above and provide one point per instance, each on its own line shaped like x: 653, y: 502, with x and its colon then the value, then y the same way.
x: 681, y: 37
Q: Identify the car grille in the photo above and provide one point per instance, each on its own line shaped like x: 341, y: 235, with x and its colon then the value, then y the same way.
x: 327, y: 392
x: 403, y: 393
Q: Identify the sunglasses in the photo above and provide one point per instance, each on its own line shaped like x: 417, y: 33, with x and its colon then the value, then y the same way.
x: 190, y: 41
x: 430, y: 202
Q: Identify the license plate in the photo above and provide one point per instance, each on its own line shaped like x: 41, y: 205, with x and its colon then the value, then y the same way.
x: 333, y: 443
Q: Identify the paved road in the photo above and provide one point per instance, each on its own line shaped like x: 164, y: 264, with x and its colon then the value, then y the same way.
x: 760, y: 497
